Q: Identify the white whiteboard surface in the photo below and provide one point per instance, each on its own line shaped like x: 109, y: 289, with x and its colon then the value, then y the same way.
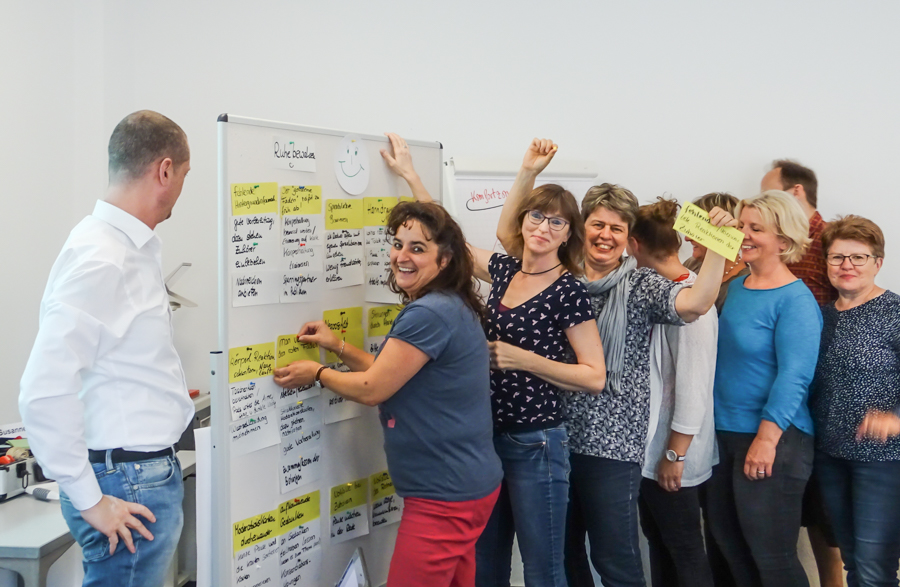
x: 476, y: 192
x: 247, y: 485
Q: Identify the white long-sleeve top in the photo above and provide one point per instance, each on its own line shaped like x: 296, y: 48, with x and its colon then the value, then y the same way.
x: 103, y: 372
x: 682, y: 373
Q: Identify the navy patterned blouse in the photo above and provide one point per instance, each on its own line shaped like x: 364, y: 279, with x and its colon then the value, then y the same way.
x: 858, y: 371
x: 521, y: 400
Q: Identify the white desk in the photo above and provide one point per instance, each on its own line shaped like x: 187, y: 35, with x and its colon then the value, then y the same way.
x: 33, y: 533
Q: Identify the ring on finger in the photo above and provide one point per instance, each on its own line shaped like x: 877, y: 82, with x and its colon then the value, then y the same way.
x: 761, y: 472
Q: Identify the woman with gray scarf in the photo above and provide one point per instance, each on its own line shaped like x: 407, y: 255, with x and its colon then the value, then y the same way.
x: 607, y: 431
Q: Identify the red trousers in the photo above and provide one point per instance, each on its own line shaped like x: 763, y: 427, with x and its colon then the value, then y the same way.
x: 436, y: 542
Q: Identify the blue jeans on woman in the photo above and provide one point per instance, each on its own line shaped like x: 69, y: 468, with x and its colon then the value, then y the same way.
x: 604, y: 505
x: 156, y: 483
x: 532, y: 506
x: 863, y: 503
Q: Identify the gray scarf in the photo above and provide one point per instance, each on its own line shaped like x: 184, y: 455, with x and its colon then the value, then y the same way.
x: 613, y: 319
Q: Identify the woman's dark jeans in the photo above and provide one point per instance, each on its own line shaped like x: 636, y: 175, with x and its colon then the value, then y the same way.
x: 671, y: 522
x: 757, y: 523
x: 863, y: 503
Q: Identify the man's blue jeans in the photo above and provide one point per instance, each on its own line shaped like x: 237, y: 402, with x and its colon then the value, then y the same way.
x: 532, y: 506
x: 863, y: 503
x: 155, y: 483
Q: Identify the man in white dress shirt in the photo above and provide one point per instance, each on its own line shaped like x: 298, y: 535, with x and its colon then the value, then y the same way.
x: 103, y: 396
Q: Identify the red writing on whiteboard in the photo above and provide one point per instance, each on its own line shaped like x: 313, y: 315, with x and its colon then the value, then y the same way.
x: 485, y: 199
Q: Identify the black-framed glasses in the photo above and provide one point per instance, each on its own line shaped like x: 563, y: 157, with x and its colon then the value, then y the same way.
x: 855, y: 260
x: 554, y: 222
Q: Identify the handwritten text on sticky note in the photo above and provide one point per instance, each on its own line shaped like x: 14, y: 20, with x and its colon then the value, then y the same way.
x: 343, y: 214
x: 300, y: 199
x: 250, y: 362
x: 254, y: 198
x: 693, y: 222
x: 288, y: 350
x: 377, y: 210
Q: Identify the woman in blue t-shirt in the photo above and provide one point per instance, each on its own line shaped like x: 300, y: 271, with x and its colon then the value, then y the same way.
x: 537, y: 314
x: 430, y: 383
x: 768, y: 344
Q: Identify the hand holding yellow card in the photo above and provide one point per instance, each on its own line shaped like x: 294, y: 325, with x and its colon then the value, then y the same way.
x: 693, y: 222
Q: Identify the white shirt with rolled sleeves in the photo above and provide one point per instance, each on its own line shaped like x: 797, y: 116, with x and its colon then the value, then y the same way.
x: 682, y: 372
x: 103, y: 372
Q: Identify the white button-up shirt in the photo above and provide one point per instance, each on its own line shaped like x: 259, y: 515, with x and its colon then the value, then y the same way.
x: 103, y: 372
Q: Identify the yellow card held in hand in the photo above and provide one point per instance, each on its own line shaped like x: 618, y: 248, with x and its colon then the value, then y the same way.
x: 289, y: 349
x: 693, y: 222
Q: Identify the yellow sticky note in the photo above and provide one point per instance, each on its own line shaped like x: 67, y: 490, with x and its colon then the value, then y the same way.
x: 301, y: 199
x: 297, y: 511
x: 254, y: 530
x: 378, y: 210
x: 343, y: 214
x: 288, y: 349
x: 381, y: 318
x: 352, y: 336
x: 382, y: 485
x: 347, y: 496
x: 254, y: 198
x: 693, y: 222
x: 250, y: 362
x: 343, y: 318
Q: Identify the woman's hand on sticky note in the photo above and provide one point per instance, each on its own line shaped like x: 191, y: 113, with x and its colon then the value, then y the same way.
x: 297, y: 374
x: 720, y: 217
x: 319, y: 333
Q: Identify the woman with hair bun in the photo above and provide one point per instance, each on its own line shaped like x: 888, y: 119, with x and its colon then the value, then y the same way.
x: 681, y: 440
x: 769, y: 334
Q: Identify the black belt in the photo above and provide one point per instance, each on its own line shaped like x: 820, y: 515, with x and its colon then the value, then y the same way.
x: 120, y: 455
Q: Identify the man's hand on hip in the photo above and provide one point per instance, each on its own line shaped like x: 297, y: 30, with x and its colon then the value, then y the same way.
x: 114, y: 517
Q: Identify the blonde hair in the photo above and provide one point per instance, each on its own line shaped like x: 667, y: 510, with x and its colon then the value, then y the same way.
x: 782, y: 213
x: 612, y: 197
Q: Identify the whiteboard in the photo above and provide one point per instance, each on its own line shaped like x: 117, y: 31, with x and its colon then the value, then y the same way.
x: 476, y: 191
x: 247, y: 468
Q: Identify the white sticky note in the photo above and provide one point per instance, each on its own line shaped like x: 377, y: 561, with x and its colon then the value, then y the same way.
x: 291, y: 395
x: 378, y: 266
x: 300, y: 555
x: 302, y: 229
x: 343, y: 258
x: 252, y: 396
x: 255, y: 288
x: 254, y: 433
x: 387, y: 510
x: 349, y: 524
x: 301, y: 287
x: 294, y: 153
x: 257, y: 565
x: 255, y: 242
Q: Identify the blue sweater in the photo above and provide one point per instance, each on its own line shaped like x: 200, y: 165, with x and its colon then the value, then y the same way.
x: 768, y: 347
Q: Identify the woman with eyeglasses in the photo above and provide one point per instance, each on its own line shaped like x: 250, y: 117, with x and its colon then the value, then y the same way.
x: 855, y: 401
x: 538, y: 315
x: 607, y: 431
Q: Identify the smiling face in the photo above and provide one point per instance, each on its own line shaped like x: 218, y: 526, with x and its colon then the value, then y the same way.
x: 351, y: 165
x: 414, y: 259
x: 846, y: 277
x: 540, y: 238
x: 606, y: 235
x: 761, y: 243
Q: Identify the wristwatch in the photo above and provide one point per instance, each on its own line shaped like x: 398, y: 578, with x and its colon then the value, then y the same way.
x: 674, y: 457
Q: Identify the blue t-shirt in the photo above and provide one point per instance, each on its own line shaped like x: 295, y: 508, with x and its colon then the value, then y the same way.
x: 768, y: 346
x: 438, y: 434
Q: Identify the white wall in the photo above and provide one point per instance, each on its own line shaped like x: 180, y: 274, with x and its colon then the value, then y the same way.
x: 680, y: 98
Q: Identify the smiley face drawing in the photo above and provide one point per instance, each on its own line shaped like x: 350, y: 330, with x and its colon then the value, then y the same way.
x: 351, y: 165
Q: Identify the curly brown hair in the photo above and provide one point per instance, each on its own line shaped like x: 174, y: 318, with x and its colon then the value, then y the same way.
x: 653, y: 228
x: 437, y: 225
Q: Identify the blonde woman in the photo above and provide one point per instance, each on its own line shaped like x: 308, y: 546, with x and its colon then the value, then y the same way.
x: 769, y: 334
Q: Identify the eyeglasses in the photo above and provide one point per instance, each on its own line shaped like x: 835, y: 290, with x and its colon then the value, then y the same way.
x: 555, y: 223
x: 855, y: 260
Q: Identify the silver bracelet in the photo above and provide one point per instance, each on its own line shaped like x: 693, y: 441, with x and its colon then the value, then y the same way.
x: 341, y: 354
